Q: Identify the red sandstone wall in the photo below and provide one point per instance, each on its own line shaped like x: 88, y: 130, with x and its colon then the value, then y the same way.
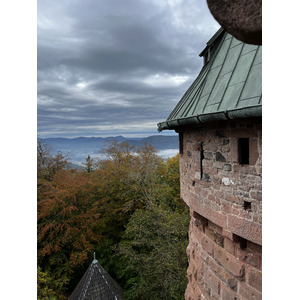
x: 225, y: 233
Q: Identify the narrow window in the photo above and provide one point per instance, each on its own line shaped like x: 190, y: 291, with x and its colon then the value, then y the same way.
x: 201, y: 160
x: 180, y: 143
x: 243, y: 150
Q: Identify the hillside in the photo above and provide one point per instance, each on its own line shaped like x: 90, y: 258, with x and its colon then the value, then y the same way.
x: 79, y: 148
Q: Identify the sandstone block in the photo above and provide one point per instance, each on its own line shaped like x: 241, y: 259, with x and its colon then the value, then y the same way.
x: 248, y: 292
x: 254, y: 278
x: 229, y: 246
x: 245, y: 229
x: 208, y: 245
x: 213, y: 281
x: 256, y: 194
x: 251, y: 258
x: 229, y: 262
x: 227, y: 234
x: 208, y: 213
x: 229, y: 294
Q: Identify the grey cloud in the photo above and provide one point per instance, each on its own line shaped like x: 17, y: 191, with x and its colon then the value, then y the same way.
x: 95, y: 59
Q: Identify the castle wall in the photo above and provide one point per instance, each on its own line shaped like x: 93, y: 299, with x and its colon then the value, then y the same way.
x: 224, y: 192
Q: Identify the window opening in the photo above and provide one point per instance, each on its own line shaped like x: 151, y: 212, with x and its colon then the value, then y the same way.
x: 180, y: 143
x: 243, y: 150
x: 247, y: 205
x: 241, y: 241
x: 201, y: 160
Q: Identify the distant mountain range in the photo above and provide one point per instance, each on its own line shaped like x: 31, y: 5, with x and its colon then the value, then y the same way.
x: 79, y: 148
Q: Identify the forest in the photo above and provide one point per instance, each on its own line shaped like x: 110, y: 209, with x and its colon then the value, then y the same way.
x: 126, y: 208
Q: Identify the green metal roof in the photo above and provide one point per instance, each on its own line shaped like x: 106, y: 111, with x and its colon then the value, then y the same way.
x: 229, y: 85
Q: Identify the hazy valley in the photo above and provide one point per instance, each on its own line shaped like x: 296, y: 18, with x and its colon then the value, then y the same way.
x: 77, y: 149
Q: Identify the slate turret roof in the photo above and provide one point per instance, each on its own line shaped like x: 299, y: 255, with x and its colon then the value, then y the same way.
x: 229, y: 85
x: 96, y: 284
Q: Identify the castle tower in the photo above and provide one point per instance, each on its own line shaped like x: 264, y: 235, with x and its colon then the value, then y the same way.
x: 220, y: 133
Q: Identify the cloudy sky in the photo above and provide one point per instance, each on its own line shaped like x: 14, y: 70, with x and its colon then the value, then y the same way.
x: 116, y: 67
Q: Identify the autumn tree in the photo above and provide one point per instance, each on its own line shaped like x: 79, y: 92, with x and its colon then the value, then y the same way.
x: 43, y: 156
x: 48, y: 164
x: 106, y: 208
x: 67, y: 217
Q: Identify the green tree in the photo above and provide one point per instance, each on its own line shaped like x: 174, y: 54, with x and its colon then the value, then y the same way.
x: 89, y: 164
x: 152, y: 254
x: 47, y: 286
x: 79, y: 212
x: 172, y: 180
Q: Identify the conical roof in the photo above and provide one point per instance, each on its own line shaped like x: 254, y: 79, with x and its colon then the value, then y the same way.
x: 96, y: 284
x: 229, y: 85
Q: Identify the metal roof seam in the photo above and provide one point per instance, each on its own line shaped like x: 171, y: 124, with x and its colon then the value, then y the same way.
x: 259, y: 101
x: 223, y: 91
x: 250, y: 98
x: 249, y: 51
x: 195, y: 88
x: 198, y: 93
x: 259, y: 63
x: 224, y: 38
x: 235, y: 45
x: 238, y: 100
x: 186, y: 95
x: 229, y: 85
x: 215, y: 67
x: 232, y: 72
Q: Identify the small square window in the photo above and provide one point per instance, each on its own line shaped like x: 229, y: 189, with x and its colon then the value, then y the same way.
x: 243, y: 150
x: 247, y: 205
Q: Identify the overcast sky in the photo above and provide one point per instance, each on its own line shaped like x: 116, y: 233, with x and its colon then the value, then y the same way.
x: 116, y: 67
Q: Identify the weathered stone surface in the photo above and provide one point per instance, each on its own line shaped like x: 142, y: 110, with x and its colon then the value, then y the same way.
x: 220, y: 259
x: 247, y: 292
x: 227, y: 167
x: 245, y: 229
x: 229, y: 294
x: 241, y: 18
x: 229, y: 262
x: 220, y: 157
x: 254, y: 279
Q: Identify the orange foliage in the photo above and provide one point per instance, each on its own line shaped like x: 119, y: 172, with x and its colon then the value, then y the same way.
x: 67, y: 215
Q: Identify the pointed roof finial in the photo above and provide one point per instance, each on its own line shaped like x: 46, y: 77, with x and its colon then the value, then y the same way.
x: 95, y: 260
